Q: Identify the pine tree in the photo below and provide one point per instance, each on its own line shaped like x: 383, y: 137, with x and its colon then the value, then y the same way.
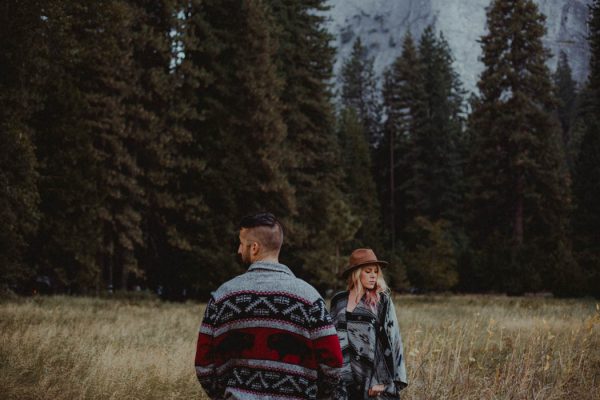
x: 239, y: 131
x: 66, y: 245
x: 586, y: 174
x: 88, y: 143
x: 404, y: 105
x: 566, y: 92
x: 168, y: 156
x: 360, y: 101
x: 246, y: 115
x: 118, y: 140
x: 434, y: 190
x: 20, y: 70
x: 423, y: 99
x: 358, y: 183
x: 359, y: 91
x: 434, y: 154
x: 519, y: 195
x: 587, y: 213
x: 594, y: 40
x: 305, y: 61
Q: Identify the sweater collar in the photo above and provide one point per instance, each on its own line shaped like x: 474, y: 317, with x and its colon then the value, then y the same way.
x: 270, y: 266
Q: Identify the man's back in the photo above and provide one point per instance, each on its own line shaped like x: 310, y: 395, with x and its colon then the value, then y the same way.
x: 267, y: 335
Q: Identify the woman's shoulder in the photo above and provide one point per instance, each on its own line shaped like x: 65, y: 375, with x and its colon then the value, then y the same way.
x: 386, y: 294
x: 339, y: 296
x: 385, y: 299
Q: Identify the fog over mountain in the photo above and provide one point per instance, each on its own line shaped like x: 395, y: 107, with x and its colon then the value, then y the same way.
x: 381, y: 25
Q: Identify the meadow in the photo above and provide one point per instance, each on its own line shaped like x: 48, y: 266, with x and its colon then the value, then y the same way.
x: 457, y: 347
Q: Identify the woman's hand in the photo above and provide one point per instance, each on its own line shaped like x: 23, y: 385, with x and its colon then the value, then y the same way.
x: 376, y: 390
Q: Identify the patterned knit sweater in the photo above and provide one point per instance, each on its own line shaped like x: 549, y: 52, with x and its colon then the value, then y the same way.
x: 267, y: 335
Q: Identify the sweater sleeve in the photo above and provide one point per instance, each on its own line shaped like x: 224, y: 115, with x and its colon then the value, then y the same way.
x: 326, y: 347
x: 204, y: 362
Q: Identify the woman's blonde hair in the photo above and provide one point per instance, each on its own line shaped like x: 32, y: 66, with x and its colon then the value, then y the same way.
x: 372, y: 296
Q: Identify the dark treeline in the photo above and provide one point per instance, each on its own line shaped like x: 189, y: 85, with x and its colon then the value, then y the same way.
x: 134, y: 134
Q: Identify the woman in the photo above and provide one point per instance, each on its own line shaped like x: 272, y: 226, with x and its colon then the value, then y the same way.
x: 367, y: 327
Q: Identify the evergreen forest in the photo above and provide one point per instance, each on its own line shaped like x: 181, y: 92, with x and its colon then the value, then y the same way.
x: 135, y: 134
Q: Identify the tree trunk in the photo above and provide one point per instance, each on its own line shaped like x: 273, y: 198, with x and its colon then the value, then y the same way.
x: 518, y: 221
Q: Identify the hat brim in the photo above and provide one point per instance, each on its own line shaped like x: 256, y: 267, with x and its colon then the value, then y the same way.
x: 351, y: 268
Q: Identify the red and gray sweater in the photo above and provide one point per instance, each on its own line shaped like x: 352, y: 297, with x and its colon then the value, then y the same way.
x: 267, y: 335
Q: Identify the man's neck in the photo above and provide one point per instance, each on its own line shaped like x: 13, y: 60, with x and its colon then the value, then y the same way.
x: 268, y: 259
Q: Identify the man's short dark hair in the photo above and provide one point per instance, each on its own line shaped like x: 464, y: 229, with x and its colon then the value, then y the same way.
x: 266, y: 229
x: 260, y: 219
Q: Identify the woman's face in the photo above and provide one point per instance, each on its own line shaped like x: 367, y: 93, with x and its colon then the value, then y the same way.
x: 368, y: 276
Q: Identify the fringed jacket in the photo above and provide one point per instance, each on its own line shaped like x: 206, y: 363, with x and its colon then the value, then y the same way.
x: 371, y: 347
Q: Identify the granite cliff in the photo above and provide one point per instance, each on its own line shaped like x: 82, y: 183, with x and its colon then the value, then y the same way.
x: 381, y: 25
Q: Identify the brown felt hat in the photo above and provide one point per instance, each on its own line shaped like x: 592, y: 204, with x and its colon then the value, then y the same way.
x: 360, y: 257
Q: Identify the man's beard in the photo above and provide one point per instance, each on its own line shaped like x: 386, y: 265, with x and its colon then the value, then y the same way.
x: 244, y: 262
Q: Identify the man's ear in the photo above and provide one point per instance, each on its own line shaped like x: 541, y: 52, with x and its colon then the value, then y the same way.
x: 255, y: 248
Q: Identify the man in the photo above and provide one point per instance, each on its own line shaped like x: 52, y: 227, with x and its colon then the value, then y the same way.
x: 266, y: 334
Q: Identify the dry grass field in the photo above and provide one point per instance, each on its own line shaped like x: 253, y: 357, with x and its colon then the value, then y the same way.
x: 457, y: 347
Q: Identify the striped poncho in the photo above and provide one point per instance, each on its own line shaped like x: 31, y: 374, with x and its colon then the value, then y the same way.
x: 371, y: 347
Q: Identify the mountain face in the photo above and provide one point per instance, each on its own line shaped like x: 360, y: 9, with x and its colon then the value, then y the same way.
x: 382, y: 24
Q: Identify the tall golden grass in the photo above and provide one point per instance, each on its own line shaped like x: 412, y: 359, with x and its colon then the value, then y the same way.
x: 457, y: 347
